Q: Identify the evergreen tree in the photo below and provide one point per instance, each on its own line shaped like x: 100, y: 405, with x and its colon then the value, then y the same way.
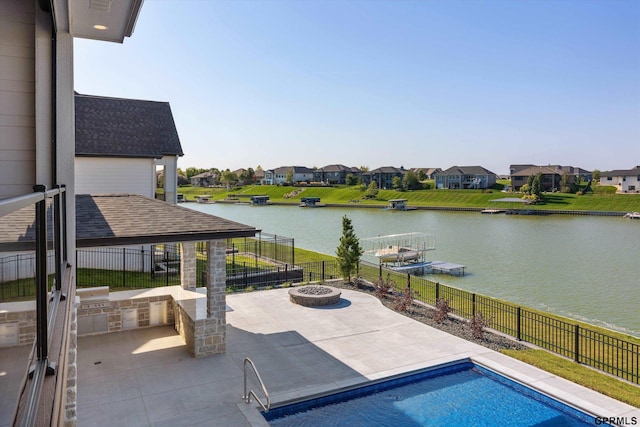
x: 349, y: 251
x: 372, y: 190
x: 536, y: 187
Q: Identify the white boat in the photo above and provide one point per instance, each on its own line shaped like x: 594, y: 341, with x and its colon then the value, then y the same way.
x: 397, y: 254
x: 632, y: 215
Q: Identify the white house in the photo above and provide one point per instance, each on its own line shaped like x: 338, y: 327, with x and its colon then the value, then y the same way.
x: 625, y: 181
x: 119, y: 144
x: 279, y: 175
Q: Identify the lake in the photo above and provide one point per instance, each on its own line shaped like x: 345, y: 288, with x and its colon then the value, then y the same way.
x: 583, y: 267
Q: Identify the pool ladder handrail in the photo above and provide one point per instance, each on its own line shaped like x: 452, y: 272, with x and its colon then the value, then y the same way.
x: 247, y: 396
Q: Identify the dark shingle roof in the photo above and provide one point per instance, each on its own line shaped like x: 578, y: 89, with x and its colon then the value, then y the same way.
x: 467, y: 170
x: 622, y: 172
x: 125, y: 219
x: 117, y: 127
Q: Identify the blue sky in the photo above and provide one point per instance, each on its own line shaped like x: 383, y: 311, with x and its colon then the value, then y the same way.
x: 425, y: 83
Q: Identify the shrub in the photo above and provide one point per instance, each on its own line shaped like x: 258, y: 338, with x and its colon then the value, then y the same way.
x: 477, y: 324
x: 404, y: 300
x: 382, y: 288
x: 442, y: 310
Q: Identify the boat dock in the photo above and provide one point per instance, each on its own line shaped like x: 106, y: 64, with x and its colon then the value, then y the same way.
x: 431, y: 267
x: 445, y: 267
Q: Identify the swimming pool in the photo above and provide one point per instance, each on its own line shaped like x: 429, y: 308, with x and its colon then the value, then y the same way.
x: 460, y: 394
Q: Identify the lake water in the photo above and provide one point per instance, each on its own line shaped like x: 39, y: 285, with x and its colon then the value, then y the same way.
x: 583, y: 267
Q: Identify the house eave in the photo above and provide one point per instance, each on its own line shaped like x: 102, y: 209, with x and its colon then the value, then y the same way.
x: 116, y: 18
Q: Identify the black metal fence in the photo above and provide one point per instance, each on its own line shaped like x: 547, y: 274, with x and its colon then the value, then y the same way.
x: 606, y: 352
x: 146, y: 268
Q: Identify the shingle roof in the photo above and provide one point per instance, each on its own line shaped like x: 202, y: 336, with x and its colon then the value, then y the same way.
x: 295, y: 169
x: 338, y: 168
x: 117, y: 127
x: 125, y: 219
x: 467, y: 170
x: 387, y: 169
x: 622, y: 172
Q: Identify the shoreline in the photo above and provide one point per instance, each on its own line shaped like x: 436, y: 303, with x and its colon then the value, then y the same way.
x: 538, y: 212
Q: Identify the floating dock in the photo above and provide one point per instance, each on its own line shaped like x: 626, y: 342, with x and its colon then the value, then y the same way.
x: 430, y: 267
x: 445, y: 267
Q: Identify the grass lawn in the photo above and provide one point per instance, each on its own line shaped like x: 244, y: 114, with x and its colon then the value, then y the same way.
x: 601, y: 199
x: 579, y: 374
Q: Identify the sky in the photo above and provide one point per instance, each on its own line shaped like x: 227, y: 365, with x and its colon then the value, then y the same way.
x: 412, y: 83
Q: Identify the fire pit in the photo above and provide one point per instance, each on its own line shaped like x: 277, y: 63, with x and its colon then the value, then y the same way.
x: 314, y: 295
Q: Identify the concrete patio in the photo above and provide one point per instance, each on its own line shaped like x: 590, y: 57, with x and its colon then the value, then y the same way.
x: 146, y: 377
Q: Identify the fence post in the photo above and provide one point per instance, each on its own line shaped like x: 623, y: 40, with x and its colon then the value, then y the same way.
x: 409, y: 280
x: 437, y: 291
x: 124, y: 267
x: 473, y: 304
x: 577, y: 343
x: 518, y: 324
x: 323, y: 270
x: 166, y: 268
x: 286, y: 271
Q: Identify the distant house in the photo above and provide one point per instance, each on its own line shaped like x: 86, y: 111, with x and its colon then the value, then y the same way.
x: 428, y: 172
x: 120, y: 143
x: 465, y: 177
x: 383, y: 176
x: 335, y: 174
x: 259, y: 175
x: 205, y: 179
x: 279, y: 175
x: 625, y: 181
x: 551, y: 175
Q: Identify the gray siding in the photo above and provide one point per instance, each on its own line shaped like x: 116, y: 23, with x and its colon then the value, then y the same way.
x: 17, y: 97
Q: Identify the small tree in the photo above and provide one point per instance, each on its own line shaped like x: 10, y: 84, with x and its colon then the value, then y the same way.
x: 411, y: 181
x: 397, y: 183
x: 349, y: 250
x: 289, y: 177
x: 372, y: 190
x: 351, y: 179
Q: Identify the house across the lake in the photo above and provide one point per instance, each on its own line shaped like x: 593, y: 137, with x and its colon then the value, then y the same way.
x: 625, y: 180
x: 465, y: 177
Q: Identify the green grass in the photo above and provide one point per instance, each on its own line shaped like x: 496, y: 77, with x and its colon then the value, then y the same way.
x: 579, y: 374
x: 603, y: 198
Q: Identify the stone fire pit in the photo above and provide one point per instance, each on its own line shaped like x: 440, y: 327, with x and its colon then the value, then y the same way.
x: 314, y: 295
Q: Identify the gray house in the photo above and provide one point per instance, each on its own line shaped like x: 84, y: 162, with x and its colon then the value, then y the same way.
x: 465, y: 177
x: 383, y: 176
x: 335, y: 174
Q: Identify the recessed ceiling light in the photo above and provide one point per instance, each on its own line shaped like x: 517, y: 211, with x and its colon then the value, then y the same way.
x: 100, y: 27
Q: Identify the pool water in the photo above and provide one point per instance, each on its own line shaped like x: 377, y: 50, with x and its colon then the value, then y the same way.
x: 464, y: 394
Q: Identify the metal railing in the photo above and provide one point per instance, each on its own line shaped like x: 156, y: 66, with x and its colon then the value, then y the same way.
x: 579, y: 342
x: 247, y: 396
x: 51, y: 345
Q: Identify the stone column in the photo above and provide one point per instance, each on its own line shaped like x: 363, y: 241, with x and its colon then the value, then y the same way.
x: 188, y: 271
x: 214, y: 327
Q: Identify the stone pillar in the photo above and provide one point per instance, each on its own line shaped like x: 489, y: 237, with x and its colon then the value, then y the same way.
x: 212, y: 341
x: 188, y: 271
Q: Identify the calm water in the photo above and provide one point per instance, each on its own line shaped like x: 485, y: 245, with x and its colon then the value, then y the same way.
x: 582, y: 267
x: 471, y: 397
